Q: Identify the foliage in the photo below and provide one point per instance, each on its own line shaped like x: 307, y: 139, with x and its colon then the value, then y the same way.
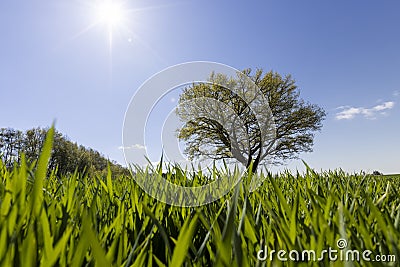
x: 66, y: 155
x: 74, y: 220
x: 240, y: 136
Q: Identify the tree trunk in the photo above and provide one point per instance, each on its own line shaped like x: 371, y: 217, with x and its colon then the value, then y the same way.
x: 255, y: 164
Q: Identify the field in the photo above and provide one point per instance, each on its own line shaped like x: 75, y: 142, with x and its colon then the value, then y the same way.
x: 78, y: 220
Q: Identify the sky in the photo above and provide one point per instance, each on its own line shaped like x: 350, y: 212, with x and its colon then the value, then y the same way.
x: 59, y: 63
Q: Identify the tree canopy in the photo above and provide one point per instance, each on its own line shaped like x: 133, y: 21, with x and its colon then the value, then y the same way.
x: 253, y: 118
x: 67, y: 156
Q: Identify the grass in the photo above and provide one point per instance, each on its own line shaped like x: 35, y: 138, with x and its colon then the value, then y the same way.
x: 76, y: 220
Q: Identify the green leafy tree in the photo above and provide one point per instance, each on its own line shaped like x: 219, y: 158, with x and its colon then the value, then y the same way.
x: 33, y: 140
x: 67, y: 157
x: 240, y: 127
x: 10, y: 145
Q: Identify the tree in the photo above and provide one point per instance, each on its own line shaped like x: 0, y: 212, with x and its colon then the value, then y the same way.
x: 227, y: 118
x: 10, y: 145
x: 32, y: 143
x: 67, y: 157
x: 377, y: 173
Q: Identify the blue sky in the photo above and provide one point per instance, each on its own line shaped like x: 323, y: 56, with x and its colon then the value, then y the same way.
x: 344, y: 56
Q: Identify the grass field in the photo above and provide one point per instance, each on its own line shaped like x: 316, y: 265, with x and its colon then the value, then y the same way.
x: 99, y: 221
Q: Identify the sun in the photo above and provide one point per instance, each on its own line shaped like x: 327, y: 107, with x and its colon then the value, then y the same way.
x: 110, y: 13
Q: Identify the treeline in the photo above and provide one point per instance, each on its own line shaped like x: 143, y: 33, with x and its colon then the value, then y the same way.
x: 67, y: 156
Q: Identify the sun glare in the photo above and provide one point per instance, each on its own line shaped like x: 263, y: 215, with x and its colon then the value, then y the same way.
x: 110, y: 13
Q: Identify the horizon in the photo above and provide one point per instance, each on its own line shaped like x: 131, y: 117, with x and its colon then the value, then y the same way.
x: 60, y: 64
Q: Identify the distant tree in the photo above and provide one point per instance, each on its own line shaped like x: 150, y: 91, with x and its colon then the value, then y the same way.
x: 10, y: 145
x: 66, y: 157
x: 32, y: 143
x: 295, y: 120
x: 377, y: 173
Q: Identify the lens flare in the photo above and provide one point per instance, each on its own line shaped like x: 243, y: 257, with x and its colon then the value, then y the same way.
x: 110, y: 13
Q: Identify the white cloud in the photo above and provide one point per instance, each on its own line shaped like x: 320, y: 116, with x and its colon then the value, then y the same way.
x: 384, y: 106
x: 349, y: 113
x: 396, y: 93
x: 135, y: 146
